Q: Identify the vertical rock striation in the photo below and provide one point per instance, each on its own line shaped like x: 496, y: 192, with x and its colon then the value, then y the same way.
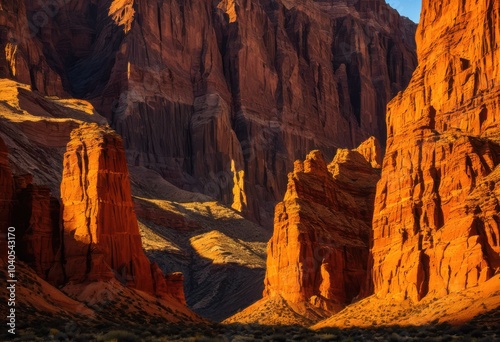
x: 436, y: 224
x: 317, y: 256
x: 6, y: 185
x: 101, y: 234
x: 36, y: 217
x: 6, y: 196
x: 22, y: 54
x: 319, y: 248
x: 229, y: 93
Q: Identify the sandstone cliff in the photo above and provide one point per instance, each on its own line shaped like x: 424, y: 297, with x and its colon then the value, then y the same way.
x: 101, y: 234
x: 37, y: 130
x: 6, y: 186
x: 317, y: 257
x: 6, y: 196
x: 103, y: 290
x: 23, y: 57
x: 230, y: 93
x: 435, y: 229
x: 36, y: 218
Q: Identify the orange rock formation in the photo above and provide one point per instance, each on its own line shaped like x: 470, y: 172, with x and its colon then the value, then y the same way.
x: 230, y: 92
x: 101, y: 234
x: 317, y: 257
x: 436, y: 226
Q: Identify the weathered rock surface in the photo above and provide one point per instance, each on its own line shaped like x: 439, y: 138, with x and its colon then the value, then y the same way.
x: 36, y: 217
x: 221, y: 255
x: 23, y: 57
x: 37, y: 130
x: 317, y: 257
x: 436, y: 223
x: 35, y: 214
x: 83, y: 306
x: 6, y: 187
x: 457, y: 308
x: 226, y: 111
x: 101, y: 234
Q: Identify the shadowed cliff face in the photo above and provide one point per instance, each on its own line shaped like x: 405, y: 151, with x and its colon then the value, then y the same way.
x: 7, y: 186
x: 179, y: 229
x: 220, y: 97
x: 436, y: 224
x: 83, y: 261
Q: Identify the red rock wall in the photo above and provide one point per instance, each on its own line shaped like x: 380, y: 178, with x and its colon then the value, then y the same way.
x: 222, y: 97
x: 6, y: 196
x: 23, y: 57
x: 101, y: 234
x: 36, y: 218
x: 435, y: 228
x: 319, y: 250
x: 33, y: 213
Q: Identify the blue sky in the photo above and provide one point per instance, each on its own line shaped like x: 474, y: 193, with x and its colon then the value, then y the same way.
x: 408, y: 8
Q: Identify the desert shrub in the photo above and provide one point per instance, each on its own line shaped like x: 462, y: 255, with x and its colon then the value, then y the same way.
x: 394, y: 337
x: 207, y: 339
x: 328, y: 337
x: 41, y: 330
x: 60, y: 336
x: 239, y: 338
x: 26, y: 338
x: 258, y: 334
x: 119, y: 336
x: 348, y: 339
x: 299, y: 337
x: 477, y: 333
x: 422, y: 333
x: 277, y: 338
x: 84, y: 338
x: 466, y: 329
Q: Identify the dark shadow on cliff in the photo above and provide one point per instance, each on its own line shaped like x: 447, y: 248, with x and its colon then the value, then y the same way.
x: 84, y: 58
x: 214, y: 288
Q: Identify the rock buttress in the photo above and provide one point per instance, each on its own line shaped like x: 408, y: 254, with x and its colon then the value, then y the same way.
x: 432, y: 232
x: 101, y: 234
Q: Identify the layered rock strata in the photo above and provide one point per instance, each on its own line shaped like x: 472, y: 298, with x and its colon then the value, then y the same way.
x: 6, y: 186
x: 436, y: 224
x: 227, y: 111
x: 101, y: 234
x: 36, y: 219
x: 317, y: 256
x: 6, y: 197
x: 22, y: 56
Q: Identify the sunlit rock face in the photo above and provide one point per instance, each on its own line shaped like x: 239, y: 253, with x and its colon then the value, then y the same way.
x: 219, y: 97
x: 436, y: 223
x: 101, y: 236
x: 319, y: 248
x: 317, y: 256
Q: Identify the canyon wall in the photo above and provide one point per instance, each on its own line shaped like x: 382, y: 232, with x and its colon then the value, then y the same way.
x: 35, y: 216
x: 23, y: 57
x: 436, y: 225
x: 6, y: 186
x: 219, y: 97
x: 317, y: 256
x: 95, y: 236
